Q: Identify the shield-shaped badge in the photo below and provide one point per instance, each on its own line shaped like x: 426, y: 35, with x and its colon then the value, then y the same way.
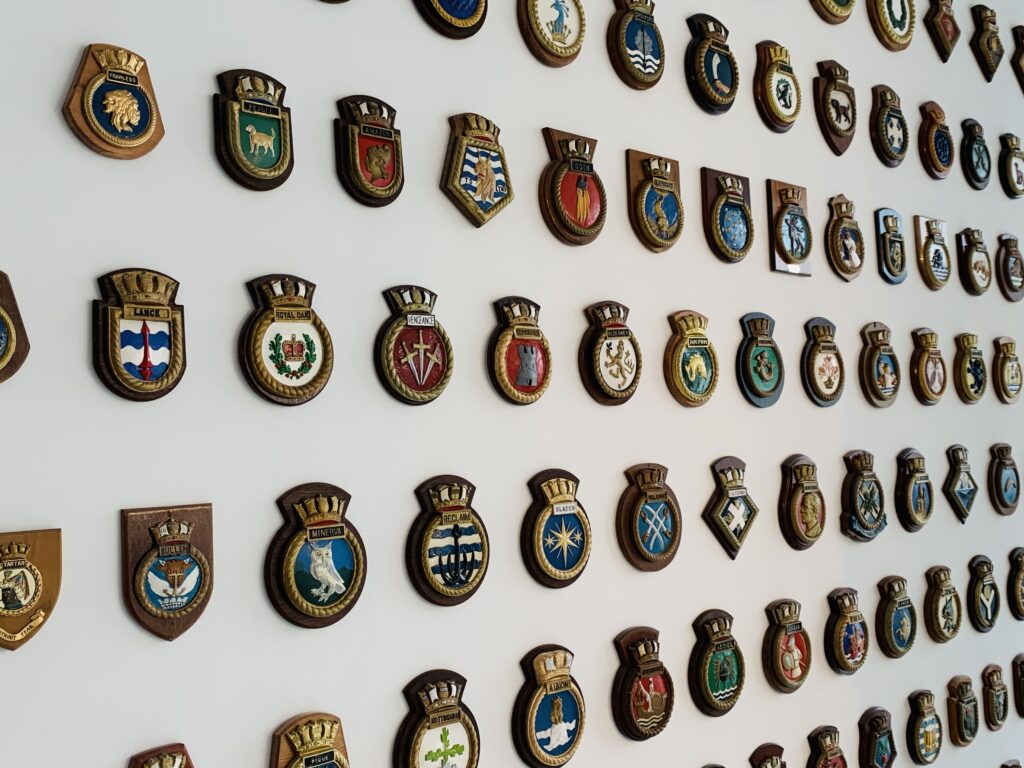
x: 475, y: 176
x: 786, y: 650
x: 942, y: 27
x: 821, y: 365
x: 776, y: 88
x: 368, y: 149
x: 691, y: 364
x: 553, y: 29
x: 1007, y: 374
x: 879, y: 368
x: 915, y: 498
x: 896, y: 618
x: 893, y: 22
x: 970, y: 375
x: 313, y: 739
x: 167, y: 756
x: 728, y: 224
x: 253, y: 129
x: 520, y: 358
x: 555, y: 536
x: 975, y: 159
x: 792, y: 237
x: 716, y: 670
x: 572, y: 198
x: 890, y: 135
x: 963, y: 711
x: 995, y: 696
x: 960, y: 488
x: 711, y: 70
x: 415, y: 359
x: 457, y: 19
x: 655, y: 210
x: 1011, y: 166
x: 642, y: 692
x: 14, y: 344
x: 801, y: 502
x: 610, y: 361
x: 550, y: 715
x: 975, y: 265
x: 111, y: 105
x: 1010, y: 268
x: 844, y: 242
x: 835, y: 103
x: 138, y: 334
x: 759, y: 367
x: 924, y: 728
x: 730, y: 512
x: 982, y: 594
x: 877, y: 745
x: 892, y: 253
x: 846, y: 632
x: 30, y: 573
x: 988, y: 48
x: 863, y: 498
x: 935, y: 141
x: 635, y: 45
x: 648, y: 522
x: 439, y: 729
x: 943, y: 611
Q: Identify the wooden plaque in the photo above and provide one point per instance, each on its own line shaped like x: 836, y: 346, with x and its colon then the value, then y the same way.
x: 648, y: 521
x: 555, y: 537
x: 610, y: 361
x: 791, y: 236
x: 985, y: 43
x: 312, y: 739
x: 642, y: 692
x: 572, y: 196
x: 725, y: 208
x: 655, y: 207
x: 14, y: 344
x: 835, y: 104
x: 942, y: 27
x: 30, y: 575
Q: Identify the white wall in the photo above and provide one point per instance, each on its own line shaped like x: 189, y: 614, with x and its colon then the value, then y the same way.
x: 94, y: 688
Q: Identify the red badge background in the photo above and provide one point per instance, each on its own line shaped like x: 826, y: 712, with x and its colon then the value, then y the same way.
x: 411, y: 336
x: 364, y: 143
x: 512, y: 364
x: 567, y: 192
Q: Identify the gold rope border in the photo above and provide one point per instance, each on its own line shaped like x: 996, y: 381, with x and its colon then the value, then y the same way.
x: 399, y: 177
x: 485, y: 559
x: 174, y: 370
x: 292, y: 590
x: 272, y: 385
x: 595, y: 361
x: 424, y: 727
x: 12, y: 338
x: 102, y: 132
x: 472, y: 21
x: 677, y: 349
x: 538, y: 544
x: 645, y: 224
x: 234, y: 141
x: 197, y: 602
x: 387, y: 360
x: 35, y: 598
x: 531, y: 736
x: 501, y: 371
x: 562, y: 52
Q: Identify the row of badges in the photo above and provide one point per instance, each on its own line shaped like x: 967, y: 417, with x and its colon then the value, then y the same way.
x: 316, y: 562
x: 287, y: 354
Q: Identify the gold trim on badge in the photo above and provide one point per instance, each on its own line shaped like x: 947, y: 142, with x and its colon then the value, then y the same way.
x: 356, y: 172
x: 12, y: 338
x: 670, y: 551
x: 556, y: 193
x: 101, y: 131
x: 305, y: 391
x: 174, y: 368
x: 425, y: 559
x: 352, y: 590
x: 595, y: 362
x: 654, y: 237
x: 768, y: 81
x: 238, y: 154
x: 472, y: 21
x: 531, y: 737
x: 733, y: 184
x: 501, y: 370
x: 399, y: 324
x: 544, y: 38
x: 702, y: 75
x: 538, y: 543
x: 689, y: 332
x: 194, y: 604
x: 426, y: 726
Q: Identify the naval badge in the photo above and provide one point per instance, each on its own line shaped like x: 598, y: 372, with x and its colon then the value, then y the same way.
x: 825, y: 749
x: 691, y: 364
x: 111, y: 104
x: 890, y: 135
x: 457, y: 19
x: 943, y: 611
x: 635, y: 45
x: 801, y: 502
x: 846, y: 632
x: 970, y: 373
x: 730, y: 512
x: 776, y: 89
x: 893, y: 22
x: 642, y: 693
x: 1015, y: 584
x: 975, y: 159
x: 834, y: 12
x: 995, y: 697
x: 414, y: 359
x: 877, y: 745
x: 475, y: 176
x: 844, y: 242
x: 520, y: 368
x: 942, y: 27
x: 927, y: 368
x: 935, y: 142
x: 167, y: 756
x: 879, y: 368
x: 963, y: 711
x: 711, y: 70
x: 286, y: 350
x: 316, y: 563
x: 1007, y: 375
x: 933, y: 258
x: 167, y: 566
x: 14, y: 344
x: 974, y: 261
x: 985, y: 43
x: 1010, y: 268
x: 312, y: 739
x: 835, y: 103
x: 768, y: 755
x: 863, y: 498
x: 728, y: 224
x: 368, y: 150
x: 924, y: 728
x: 447, y: 552
x: 610, y: 362
x: 648, y: 520
x: 572, y: 198
x: 982, y: 594
x: 892, y: 250
x: 759, y: 366
x: 1018, y: 683
x: 821, y: 365
x: 555, y: 535
x: 896, y: 618
x: 1017, y: 60
x: 30, y: 571
x: 549, y: 715
x: 553, y: 31
x: 439, y: 730
x: 138, y: 334
x: 786, y: 650
x: 960, y: 488
x: 253, y: 129
x: 915, y: 498
x: 716, y: 668
x: 792, y: 237
x: 655, y: 210
x: 1011, y: 166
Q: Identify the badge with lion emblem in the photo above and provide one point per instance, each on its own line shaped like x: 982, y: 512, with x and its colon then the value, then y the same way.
x: 167, y: 756
x: 253, y: 129
x: 475, y: 176
x: 368, y: 148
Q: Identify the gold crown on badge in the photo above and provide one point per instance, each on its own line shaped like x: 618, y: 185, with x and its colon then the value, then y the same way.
x: 137, y: 286
x: 694, y: 323
x: 165, y: 760
x: 412, y: 298
x: 844, y: 208
x: 789, y: 196
x: 644, y: 6
x: 1012, y: 141
x: 440, y: 696
x: 929, y: 339
x: 611, y: 313
x: 714, y: 29
x: 941, y: 575
x: 778, y: 53
x: 287, y: 291
x: 838, y: 71
x: 915, y: 464
x: 935, y: 230
x: 255, y: 87
x: 718, y: 626
x: 821, y: 332
x: 786, y: 611
x: 14, y: 551
x: 320, y: 510
x: 1008, y: 347
x: 847, y: 601
x: 658, y: 167
x: 313, y: 735
x: 449, y: 496
x: 480, y: 127
x: 171, y: 530
x: 119, y: 59
x: 371, y: 112
x: 805, y: 473
x: 829, y: 738
x: 731, y: 185
x: 559, y: 490
x: 895, y: 586
x: 552, y: 666
x: 927, y: 699
x: 964, y: 689
x: 992, y: 677
x: 577, y: 147
x: 650, y: 478
x: 1002, y: 452
x: 731, y: 477
x: 892, y: 224
x: 645, y: 652
x: 521, y: 311
x: 967, y: 341
x: 863, y: 461
x: 879, y: 336
x: 760, y: 326
x: 983, y: 568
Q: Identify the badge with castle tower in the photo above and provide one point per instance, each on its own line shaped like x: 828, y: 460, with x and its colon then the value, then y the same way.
x: 642, y: 692
x: 634, y: 44
x: 30, y: 573
x: 167, y: 756
x: 691, y: 363
x: 610, y: 361
x: 553, y: 30
x: 716, y: 670
x: 167, y: 566
x: 863, y: 498
x: 439, y: 731
x: 648, y: 520
x: 312, y: 739
x: 475, y: 176
x: 846, y: 632
x: 555, y: 537
x: 550, y: 715
x: 655, y: 209
x: 572, y: 198
x: 801, y: 502
x: 414, y: 359
x: 786, y: 650
x: 730, y: 512
x: 519, y: 355
x: 316, y: 563
x: 368, y: 148
x: 14, y: 344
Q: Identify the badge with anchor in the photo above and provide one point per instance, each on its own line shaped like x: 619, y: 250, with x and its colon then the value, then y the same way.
x: 776, y: 88
x: 648, y: 520
x: 835, y: 103
x: 1011, y: 166
x: 14, y: 344
x: 995, y: 697
x: 942, y: 27
x: 167, y: 756
x: 414, y: 359
x: 985, y: 43
x: 970, y: 373
x: 890, y: 134
x: 610, y: 362
x: 439, y: 731
x: 759, y: 367
x: 924, y: 728
x: 982, y: 594
x: 475, y: 176
x: 30, y: 574
x: 935, y: 141
x: 730, y: 512
x: 915, y: 498
x: 573, y: 200
x: 863, y: 498
x: 1010, y: 268
x: 716, y: 669
x: 1007, y: 375
x: 879, y: 367
x: 642, y: 692
x: 825, y: 749
x: 555, y: 535
x: 962, y: 710
x: 786, y: 650
x: 313, y: 739
x: 1003, y: 479
x: 712, y: 73
x: 893, y: 22
x: 846, y: 632
x: 520, y: 358
x: 691, y: 364
x: 960, y: 488
x: 635, y: 45
x: 253, y: 129
x: 553, y: 30
x: 927, y: 367
x: 877, y: 745
x: 844, y: 242
x: 821, y: 364
x: 368, y: 150
x: 834, y: 12
x: 943, y: 611
x: 933, y: 257
x: 975, y: 265
x: 457, y: 19
x: 801, y: 502
x: 892, y: 249
x: 975, y: 159
x: 792, y: 237
x: 550, y: 715
x: 896, y: 618
x: 656, y: 210
x: 725, y: 207
x: 1015, y: 584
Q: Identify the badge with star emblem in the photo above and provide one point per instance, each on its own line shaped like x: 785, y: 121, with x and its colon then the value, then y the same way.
x: 725, y: 206
x: 253, y: 129
x: 14, y: 344
x: 915, y: 498
x: 716, y: 670
x: 801, y: 502
x: 877, y: 745
x: 942, y: 27
x: 555, y: 537
x: 927, y: 368
x: 821, y: 364
x: 656, y: 210
x: 167, y: 756
x: 610, y: 362
x: 890, y: 134
x: 730, y: 512
x: 970, y: 372
x: 846, y: 632
x: 791, y: 235
x: 30, y: 575
x: 893, y: 22
x: 892, y: 247
x: 711, y: 69
x: 368, y: 149
x: 549, y: 716
x: 759, y: 367
x: 648, y: 520
x: 776, y: 88
x: 974, y: 261
x: 943, y: 611
x: 642, y: 692
x: 962, y: 710
x: 896, y: 618
x: 863, y: 498
x: 1011, y: 166
x: 573, y: 200
x: 1007, y: 375
x: 975, y: 159
x: 1010, y: 268
x: 935, y: 141
x: 835, y: 104
x: 415, y: 359
x: 879, y: 368
x: 985, y: 43
x: 475, y: 176
x: 691, y: 364
x: 439, y: 731
x: 520, y: 358
x: 982, y: 594
x: 924, y: 728
x: 786, y: 650
x: 960, y: 488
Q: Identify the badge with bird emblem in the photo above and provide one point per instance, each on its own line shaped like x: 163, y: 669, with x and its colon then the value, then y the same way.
x: 572, y: 200
x: 14, y: 344
x: 896, y: 618
x: 635, y: 45
x: 555, y: 536
x: 549, y: 716
x: 691, y: 364
x: 475, y: 176
x: 648, y: 520
x: 642, y: 692
x: 716, y: 670
x: 519, y: 355
x: 801, y: 502
x: 656, y: 210
x: 313, y: 739
x: 415, y: 359
x: 927, y: 367
x: 730, y: 512
x: 167, y: 756
x: 368, y: 148
x: 253, y: 129
x: 786, y: 650
x: 711, y: 69
x: 943, y: 611
x: 439, y: 731
x: 846, y: 632
x: 610, y: 362
x: 30, y: 573
x: 863, y: 498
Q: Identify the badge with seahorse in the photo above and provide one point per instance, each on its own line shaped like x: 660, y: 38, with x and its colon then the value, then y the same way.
x: 759, y: 366
x: 549, y: 716
x: 439, y: 731
x: 30, y: 573
x: 691, y: 364
x: 368, y: 148
x: 553, y: 30
x: 415, y: 359
x: 610, y: 362
x: 656, y: 210
x: 520, y: 358
x: 716, y: 669
x: 167, y: 756
x: 642, y: 692
x: 253, y: 129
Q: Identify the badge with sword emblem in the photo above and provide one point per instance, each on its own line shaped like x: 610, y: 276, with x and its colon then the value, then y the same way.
x: 414, y: 359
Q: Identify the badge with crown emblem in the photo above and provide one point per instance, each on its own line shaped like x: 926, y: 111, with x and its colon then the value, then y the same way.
x: 896, y: 618
x: 1007, y: 375
x: 890, y: 134
x: 1003, y: 479
x: 286, y: 351
x: 924, y: 728
x: 792, y: 237
x: 475, y: 176
x: 821, y: 365
x: 1015, y: 584
x: 971, y: 375
x: 520, y: 368
x: 877, y: 745
x: 801, y: 502
x: 549, y: 715
x: 555, y: 535
x: 313, y: 739
x: 844, y: 242
x: 892, y: 249
x: 974, y: 261
x: 1011, y: 166
x: 167, y: 566
x: 893, y: 22
x: 30, y: 573
x: 767, y: 756
x: 730, y: 512
x: 728, y: 224
x: 776, y: 89
x: 846, y: 632
x: 167, y: 756
x: 975, y: 159
x: 457, y: 19
x: 553, y: 29
x: 835, y: 104
x: 759, y: 368
x: 368, y: 149
x: 1018, y: 683
x: 786, y: 650
x: 935, y: 141
x: 316, y: 563
x: 942, y: 27
x: 963, y: 710
x: 691, y: 364
x: 915, y: 498
x: 642, y: 693
x: 439, y: 731
x: 656, y: 210
x: 610, y: 362
x: 712, y: 73
x: 138, y: 334
x: 111, y: 106
x: 447, y: 552
x: 863, y: 498
x: 879, y: 367
x: 982, y: 594
x: 415, y: 359
x: 995, y: 697
x: 825, y: 749
x: 985, y: 43
x: 253, y: 129
x: 716, y: 669
x: 933, y: 256
x: 648, y: 520
x: 14, y: 344
x: 834, y: 12
x: 943, y: 611
x: 572, y: 198
x: 635, y: 45
x: 1010, y: 268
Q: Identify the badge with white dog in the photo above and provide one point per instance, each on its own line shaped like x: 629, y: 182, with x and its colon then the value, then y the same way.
x: 253, y: 129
